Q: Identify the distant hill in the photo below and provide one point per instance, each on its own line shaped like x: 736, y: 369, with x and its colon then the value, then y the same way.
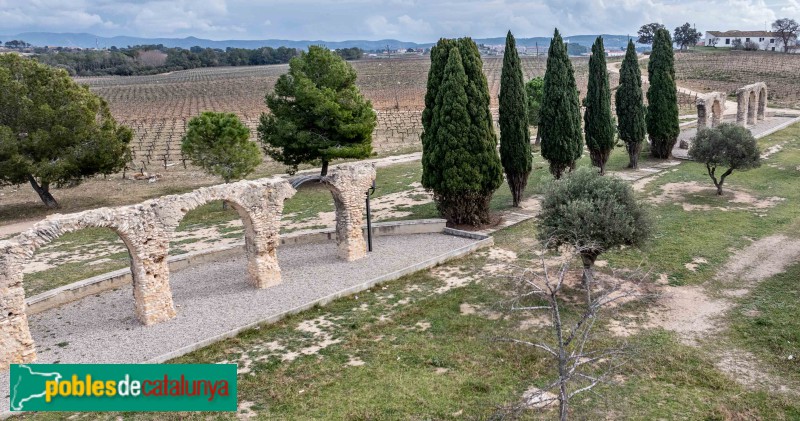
x: 85, y: 40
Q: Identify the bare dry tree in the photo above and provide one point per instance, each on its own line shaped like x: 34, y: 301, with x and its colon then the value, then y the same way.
x: 580, y: 367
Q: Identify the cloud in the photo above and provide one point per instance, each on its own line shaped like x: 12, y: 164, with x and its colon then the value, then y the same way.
x: 382, y: 27
x: 412, y: 20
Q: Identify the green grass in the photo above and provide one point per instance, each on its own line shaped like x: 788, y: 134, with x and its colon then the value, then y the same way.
x: 765, y: 322
x: 455, y: 369
x: 682, y: 236
x: 662, y: 379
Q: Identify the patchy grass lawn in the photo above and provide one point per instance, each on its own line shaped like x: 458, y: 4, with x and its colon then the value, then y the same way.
x: 409, y: 350
x: 766, y: 322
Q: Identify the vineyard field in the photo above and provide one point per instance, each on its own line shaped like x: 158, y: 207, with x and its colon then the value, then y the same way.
x: 158, y: 107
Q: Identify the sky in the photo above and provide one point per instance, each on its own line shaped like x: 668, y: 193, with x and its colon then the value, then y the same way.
x: 407, y: 20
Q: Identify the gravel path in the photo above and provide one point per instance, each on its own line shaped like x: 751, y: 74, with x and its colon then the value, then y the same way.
x: 763, y: 128
x: 214, y: 298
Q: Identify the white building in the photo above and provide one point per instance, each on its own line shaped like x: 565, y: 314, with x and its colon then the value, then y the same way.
x: 766, y: 41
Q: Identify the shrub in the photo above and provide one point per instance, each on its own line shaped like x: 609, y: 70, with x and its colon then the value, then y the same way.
x: 219, y: 143
x: 593, y: 213
x: 727, y: 145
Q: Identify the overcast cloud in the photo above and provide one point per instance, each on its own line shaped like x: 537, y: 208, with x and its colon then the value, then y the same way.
x: 410, y: 20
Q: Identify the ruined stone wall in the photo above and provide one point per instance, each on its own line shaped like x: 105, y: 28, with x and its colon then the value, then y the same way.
x: 398, y: 130
x: 147, y: 228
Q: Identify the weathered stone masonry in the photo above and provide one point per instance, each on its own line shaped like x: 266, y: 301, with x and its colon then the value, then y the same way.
x: 714, y: 103
x: 751, y: 103
x: 147, y: 228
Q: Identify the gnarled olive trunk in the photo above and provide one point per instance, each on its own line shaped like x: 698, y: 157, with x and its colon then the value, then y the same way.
x: 43, y: 191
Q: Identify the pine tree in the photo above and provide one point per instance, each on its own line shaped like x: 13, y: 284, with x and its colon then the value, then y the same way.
x: 662, y: 97
x: 598, y: 122
x: 53, y: 130
x: 560, y: 116
x: 459, y: 161
x: 630, y: 106
x: 515, y: 143
x: 317, y: 113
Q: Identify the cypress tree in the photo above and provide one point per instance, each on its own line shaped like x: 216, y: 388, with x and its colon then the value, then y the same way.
x: 439, y: 55
x: 630, y: 106
x: 598, y: 122
x: 459, y: 158
x: 560, y: 116
x: 662, y: 97
x: 515, y: 144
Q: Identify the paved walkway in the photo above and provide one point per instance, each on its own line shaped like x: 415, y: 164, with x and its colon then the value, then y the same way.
x: 213, y: 299
x: 764, y: 128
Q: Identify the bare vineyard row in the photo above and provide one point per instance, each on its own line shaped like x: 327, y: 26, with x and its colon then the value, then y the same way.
x: 157, y: 107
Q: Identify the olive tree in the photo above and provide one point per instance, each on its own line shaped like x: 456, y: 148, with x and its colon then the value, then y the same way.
x: 727, y: 145
x: 594, y: 214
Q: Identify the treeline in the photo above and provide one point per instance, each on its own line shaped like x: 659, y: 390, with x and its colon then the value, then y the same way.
x: 153, y: 59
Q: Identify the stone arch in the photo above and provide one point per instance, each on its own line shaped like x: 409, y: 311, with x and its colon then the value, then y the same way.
x: 751, y: 103
x: 259, y: 205
x: 714, y: 103
x: 150, y: 273
x: 348, y: 184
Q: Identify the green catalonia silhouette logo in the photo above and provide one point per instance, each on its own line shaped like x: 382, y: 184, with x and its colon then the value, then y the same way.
x: 123, y: 387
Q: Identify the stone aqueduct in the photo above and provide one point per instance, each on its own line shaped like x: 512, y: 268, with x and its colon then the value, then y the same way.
x: 147, y: 228
x: 751, y: 103
x: 751, y: 106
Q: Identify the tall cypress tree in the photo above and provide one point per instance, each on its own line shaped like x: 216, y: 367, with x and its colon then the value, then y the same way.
x: 459, y: 157
x: 630, y: 106
x: 439, y: 55
x: 662, y: 97
x: 598, y: 122
x: 560, y: 116
x: 515, y: 143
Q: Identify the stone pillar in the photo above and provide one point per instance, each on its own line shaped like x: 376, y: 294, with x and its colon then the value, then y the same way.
x: 716, y: 113
x: 701, y: 116
x: 16, y: 343
x: 349, y: 184
x: 741, y: 107
x: 261, y: 234
x: 762, y: 103
x: 151, y: 290
x: 752, y: 102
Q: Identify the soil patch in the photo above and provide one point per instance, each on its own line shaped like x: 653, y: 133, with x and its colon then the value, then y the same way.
x: 731, y: 199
